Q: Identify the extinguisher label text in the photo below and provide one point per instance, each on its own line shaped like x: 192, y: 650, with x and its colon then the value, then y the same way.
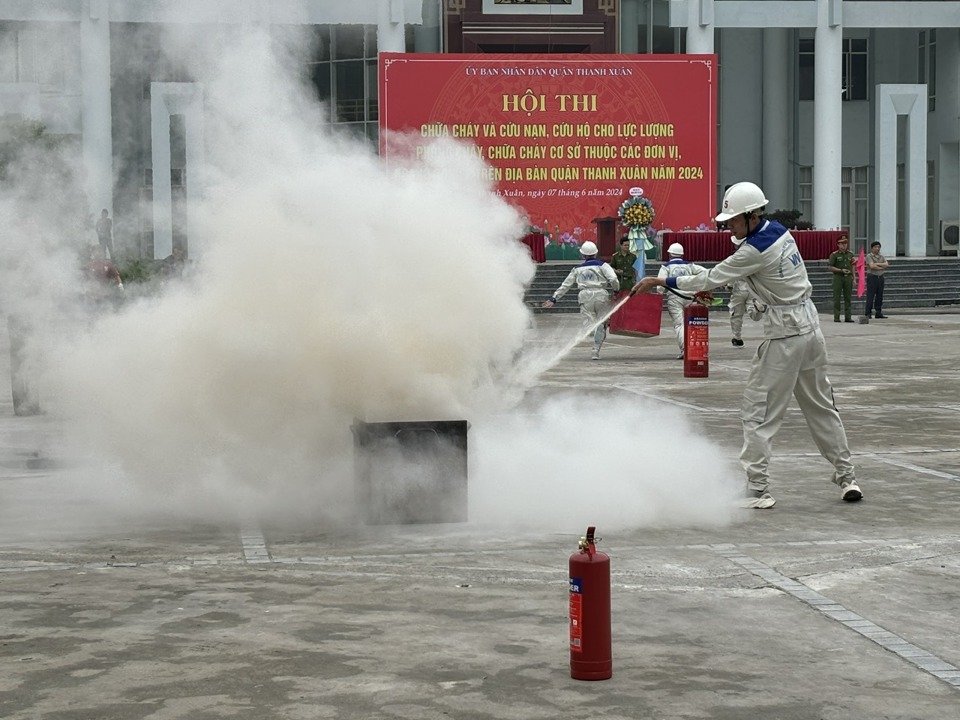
x: 576, y: 615
x: 697, y: 339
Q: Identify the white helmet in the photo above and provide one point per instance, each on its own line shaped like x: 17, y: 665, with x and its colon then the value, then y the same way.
x: 675, y: 249
x: 739, y: 199
x: 588, y: 248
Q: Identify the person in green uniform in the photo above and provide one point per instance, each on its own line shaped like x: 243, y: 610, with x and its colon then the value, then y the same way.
x: 622, y: 264
x: 841, y: 265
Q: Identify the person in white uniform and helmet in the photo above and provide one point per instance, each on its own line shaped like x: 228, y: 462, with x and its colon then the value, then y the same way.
x: 792, y: 359
x: 739, y: 306
x: 596, y: 280
x: 676, y: 267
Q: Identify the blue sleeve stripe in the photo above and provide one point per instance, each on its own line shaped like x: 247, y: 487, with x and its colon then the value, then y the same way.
x: 672, y: 282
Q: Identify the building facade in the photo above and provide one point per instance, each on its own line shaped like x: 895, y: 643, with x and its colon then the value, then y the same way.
x: 846, y: 110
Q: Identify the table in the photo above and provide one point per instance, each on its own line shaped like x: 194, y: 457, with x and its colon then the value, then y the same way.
x: 536, y: 242
x: 697, y: 245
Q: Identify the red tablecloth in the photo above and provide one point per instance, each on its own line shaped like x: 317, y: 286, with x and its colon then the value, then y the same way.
x: 697, y: 246
x: 535, y: 241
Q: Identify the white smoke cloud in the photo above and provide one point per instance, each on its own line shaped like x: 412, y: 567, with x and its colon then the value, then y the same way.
x: 332, y: 288
x: 598, y: 459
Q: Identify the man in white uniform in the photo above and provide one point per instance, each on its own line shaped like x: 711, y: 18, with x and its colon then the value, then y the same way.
x: 676, y: 267
x: 792, y: 359
x: 596, y: 280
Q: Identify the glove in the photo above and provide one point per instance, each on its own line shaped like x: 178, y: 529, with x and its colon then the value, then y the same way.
x: 120, y: 286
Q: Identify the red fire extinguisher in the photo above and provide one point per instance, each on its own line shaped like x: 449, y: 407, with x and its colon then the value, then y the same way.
x: 696, y: 340
x: 590, y: 657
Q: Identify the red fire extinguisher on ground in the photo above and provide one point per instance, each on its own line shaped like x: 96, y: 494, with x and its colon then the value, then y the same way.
x: 590, y: 656
x: 696, y: 340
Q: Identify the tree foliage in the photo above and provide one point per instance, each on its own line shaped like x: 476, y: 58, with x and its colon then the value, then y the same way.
x: 790, y: 219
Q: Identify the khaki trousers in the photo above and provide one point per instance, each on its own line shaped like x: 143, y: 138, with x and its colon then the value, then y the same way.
x: 594, y: 304
x: 675, y: 306
x: 738, y: 308
x: 783, y: 367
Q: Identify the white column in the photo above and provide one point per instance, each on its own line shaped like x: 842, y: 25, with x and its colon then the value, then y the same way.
x: 96, y: 116
x: 910, y: 101
x: 828, y: 115
x: 390, y: 32
x: 160, y: 160
x: 777, y: 107
x: 915, y: 189
x: 168, y: 99
x: 700, y: 27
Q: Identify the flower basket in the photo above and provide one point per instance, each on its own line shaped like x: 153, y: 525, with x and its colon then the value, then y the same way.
x: 636, y: 213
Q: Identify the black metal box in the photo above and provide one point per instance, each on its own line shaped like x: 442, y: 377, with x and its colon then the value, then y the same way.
x: 411, y: 472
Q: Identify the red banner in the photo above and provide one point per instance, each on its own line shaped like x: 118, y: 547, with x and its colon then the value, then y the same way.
x: 567, y: 137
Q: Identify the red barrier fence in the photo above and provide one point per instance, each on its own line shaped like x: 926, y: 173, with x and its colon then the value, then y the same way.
x: 697, y: 246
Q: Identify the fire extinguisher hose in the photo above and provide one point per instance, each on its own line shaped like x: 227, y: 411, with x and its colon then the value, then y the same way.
x: 704, y: 298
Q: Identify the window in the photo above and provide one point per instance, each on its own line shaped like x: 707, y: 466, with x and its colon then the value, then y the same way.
x: 932, y: 79
x: 927, y: 65
x: 32, y: 54
x: 8, y: 55
x: 805, y: 79
x: 532, y: 7
x: 922, y: 57
x: 350, y: 96
x: 344, y: 73
x: 854, y: 66
x: 855, y: 203
x: 806, y: 192
x: 861, y: 203
x: 855, y: 69
x: 931, y: 204
x: 901, y: 207
x: 348, y: 41
x: 664, y: 39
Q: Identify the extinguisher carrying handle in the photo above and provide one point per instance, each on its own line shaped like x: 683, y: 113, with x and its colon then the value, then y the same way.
x: 588, y: 542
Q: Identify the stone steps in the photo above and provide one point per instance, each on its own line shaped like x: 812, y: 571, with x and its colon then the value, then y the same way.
x: 910, y: 283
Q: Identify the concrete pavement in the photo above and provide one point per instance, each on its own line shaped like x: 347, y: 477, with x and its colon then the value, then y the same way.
x: 815, y: 610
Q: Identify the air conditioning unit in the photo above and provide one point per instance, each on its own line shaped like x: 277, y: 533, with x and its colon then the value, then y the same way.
x: 949, y: 237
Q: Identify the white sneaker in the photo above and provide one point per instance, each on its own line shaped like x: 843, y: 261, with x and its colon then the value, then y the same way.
x: 596, y: 355
x: 760, y: 502
x: 850, y: 491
